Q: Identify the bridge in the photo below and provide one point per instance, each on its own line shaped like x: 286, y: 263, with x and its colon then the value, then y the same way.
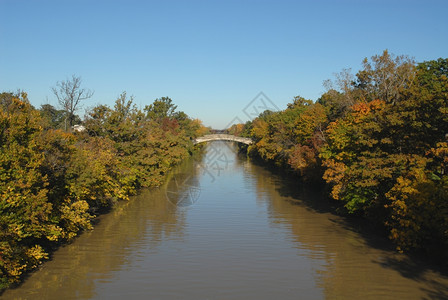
x: 222, y: 137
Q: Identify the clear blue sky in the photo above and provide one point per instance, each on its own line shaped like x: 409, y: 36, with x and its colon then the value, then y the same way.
x: 211, y: 57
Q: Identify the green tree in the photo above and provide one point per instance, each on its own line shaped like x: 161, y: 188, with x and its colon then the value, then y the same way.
x: 160, y: 108
x: 54, y: 117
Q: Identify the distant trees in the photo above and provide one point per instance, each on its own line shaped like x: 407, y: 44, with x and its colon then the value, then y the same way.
x: 70, y: 94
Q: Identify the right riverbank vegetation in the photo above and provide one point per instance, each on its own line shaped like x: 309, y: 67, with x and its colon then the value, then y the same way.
x: 54, y: 181
x: 378, y: 140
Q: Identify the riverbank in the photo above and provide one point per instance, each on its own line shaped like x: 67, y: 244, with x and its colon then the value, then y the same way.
x: 382, y: 155
x: 54, y: 183
x: 376, y: 234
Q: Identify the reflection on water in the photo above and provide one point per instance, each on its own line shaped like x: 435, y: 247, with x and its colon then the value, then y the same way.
x: 229, y: 229
x: 347, y: 264
x: 183, y: 189
x: 96, y: 255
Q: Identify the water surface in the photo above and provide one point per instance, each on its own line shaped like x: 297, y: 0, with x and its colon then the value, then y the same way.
x: 224, y: 228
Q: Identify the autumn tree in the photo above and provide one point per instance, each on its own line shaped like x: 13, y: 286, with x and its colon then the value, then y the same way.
x: 34, y: 207
x: 290, y: 138
x: 385, y: 76
x: 53, y: 182
x: 386, y: 159
x: 419, y: 199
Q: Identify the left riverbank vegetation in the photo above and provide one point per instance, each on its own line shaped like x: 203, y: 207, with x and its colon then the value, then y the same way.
x: 53, y: 182
x: 378, y: 140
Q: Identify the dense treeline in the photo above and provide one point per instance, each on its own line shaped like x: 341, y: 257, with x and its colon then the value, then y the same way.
x: 379, y: 141
x: 53, y: 182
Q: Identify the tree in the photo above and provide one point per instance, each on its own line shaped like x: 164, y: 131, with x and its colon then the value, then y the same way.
x: 55, y: 117
x: 161, y: 108
x: 52, y: 182
x: 70, y: 94
x: 340, y: 94
x: 385, y: 76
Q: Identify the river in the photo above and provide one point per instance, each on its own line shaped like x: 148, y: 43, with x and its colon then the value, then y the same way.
x: 225, y: 228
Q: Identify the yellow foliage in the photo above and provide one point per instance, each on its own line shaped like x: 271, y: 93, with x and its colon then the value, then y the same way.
x: 260, y: 128
x: 76, y: 217
x: 334, y: 174
x: 37, y: 253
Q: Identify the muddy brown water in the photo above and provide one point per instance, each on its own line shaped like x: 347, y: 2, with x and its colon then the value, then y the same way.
x: 225, y: 228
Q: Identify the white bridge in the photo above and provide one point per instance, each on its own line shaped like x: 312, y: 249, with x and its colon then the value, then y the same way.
x: 222, y: 137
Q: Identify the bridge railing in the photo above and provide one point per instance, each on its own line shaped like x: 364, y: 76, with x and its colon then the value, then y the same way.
x: 222, y: 137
